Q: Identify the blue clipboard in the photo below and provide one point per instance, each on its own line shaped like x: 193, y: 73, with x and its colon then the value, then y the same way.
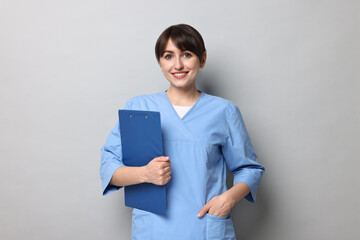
x: 141, y: 141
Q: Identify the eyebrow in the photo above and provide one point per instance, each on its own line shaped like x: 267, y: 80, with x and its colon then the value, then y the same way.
x: 173, y: 52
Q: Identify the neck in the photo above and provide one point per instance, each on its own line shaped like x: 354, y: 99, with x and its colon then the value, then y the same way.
x: 183, y: 97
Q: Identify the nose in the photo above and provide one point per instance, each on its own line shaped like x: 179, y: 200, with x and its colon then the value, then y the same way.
x: 178, y: 64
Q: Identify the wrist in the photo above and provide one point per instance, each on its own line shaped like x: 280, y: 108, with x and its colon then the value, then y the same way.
x: 237, y: 192
x: 143, y: 174
x: 229, y: 198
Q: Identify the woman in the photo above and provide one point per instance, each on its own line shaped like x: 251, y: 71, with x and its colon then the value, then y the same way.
x: 202, y: 135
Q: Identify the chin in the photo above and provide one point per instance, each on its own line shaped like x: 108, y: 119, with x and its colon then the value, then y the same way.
x: 180, y: 85
x: 181, y: 82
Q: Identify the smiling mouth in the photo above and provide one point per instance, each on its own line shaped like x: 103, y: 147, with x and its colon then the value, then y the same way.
x: 179, y: 75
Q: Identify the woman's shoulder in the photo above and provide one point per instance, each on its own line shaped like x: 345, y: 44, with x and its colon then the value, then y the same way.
x: 136, y: 101
x: 145, y: 96
x: 220, y: 102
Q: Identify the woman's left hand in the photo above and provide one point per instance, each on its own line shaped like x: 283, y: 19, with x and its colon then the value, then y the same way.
x: 218, y: 206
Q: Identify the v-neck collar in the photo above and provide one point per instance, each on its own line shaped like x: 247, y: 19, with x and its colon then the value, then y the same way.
x: 191, y: 109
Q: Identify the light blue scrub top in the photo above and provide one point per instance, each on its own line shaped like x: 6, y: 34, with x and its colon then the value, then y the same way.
x: 210, y: 137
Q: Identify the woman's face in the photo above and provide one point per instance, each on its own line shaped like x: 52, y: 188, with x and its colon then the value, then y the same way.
x: 180, y: 67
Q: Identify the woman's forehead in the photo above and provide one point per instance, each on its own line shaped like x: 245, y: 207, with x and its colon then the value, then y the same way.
x: 171, y: 47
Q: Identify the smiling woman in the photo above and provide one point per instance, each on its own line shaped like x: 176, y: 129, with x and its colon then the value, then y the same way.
x: 202, y: 135
x: 180, y: 51
x: 180, y: 67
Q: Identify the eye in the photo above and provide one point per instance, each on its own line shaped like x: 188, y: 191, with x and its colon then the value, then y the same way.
x: 167, y: 56
x: 187, y: 55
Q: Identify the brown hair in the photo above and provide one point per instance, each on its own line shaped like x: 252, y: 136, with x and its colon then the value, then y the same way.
x: 184, y: 37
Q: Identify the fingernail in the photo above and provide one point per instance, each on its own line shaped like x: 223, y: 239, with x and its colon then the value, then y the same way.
x: 198, y: 215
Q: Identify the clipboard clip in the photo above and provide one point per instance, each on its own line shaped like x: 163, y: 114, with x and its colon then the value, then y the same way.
x: 132, y: 116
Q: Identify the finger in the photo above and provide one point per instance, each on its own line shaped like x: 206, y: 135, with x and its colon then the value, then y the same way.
x: 162, y: 158
x: 167, y: 168
x: 204, y: 210
x: 168, y: 174
x: 165, y: 173
x: 165, y: 165
x: 167, y: 179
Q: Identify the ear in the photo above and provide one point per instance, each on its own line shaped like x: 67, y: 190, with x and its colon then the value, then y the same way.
x: 203, y: 61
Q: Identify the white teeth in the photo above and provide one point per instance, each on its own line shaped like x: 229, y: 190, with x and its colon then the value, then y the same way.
x: 179, y: 74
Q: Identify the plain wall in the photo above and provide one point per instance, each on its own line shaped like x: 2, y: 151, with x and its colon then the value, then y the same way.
x: 292, y: 67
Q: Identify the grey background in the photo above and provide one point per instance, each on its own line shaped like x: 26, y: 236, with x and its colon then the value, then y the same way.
x: 292, y: 67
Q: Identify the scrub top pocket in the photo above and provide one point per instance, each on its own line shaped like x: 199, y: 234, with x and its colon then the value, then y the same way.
x: 219, y: 228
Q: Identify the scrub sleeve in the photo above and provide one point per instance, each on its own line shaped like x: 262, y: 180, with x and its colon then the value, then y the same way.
x: 111, y: 157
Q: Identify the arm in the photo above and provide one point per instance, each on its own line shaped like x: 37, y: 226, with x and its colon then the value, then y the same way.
x: 124, y: 176
x: 222, y: 204
x: 114, y: 174
x: 157, y: 171
x: 241, y: 160
x: 237, y: 192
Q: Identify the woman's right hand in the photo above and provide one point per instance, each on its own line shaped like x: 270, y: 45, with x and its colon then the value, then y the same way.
x: 158, y: 171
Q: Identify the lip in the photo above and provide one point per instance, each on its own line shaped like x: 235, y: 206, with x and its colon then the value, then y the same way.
x: 180, y: 77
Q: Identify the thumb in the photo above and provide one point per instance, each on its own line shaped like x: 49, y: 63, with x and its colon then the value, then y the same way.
x: 162, y: 158
x: 204, y: 210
